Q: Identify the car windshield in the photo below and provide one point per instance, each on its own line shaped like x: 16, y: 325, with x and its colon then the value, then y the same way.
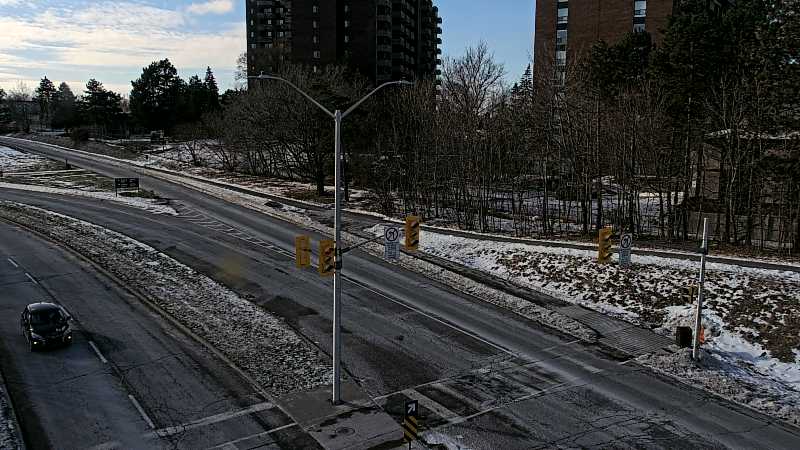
x: 47, y: 317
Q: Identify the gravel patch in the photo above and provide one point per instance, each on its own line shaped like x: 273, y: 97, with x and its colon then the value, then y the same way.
x: 265, y: 347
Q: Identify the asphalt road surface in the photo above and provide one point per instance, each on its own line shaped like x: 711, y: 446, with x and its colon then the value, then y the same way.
x: 123, y: 358
x: 485, y: 378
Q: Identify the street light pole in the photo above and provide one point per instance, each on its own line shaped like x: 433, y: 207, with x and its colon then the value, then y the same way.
x: 337, y: 274
x: 337, y: 116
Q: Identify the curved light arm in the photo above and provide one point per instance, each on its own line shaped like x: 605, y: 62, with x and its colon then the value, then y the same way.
x: 271, y: 77
x: 389, y: 83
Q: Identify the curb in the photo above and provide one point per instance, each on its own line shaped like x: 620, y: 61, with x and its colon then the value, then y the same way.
x: 15, y: 430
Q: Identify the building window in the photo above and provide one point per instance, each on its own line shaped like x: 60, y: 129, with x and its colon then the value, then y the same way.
x: 314, y: 24
x: 561, y: 37
x: 281, y: 34
x: 638, y: 28
x: 315, y: 69
x: 346, y: 8
x: 280, y: 21
x: 346, y: 38
x: 315, y: 39
x: 316, y: 54
x: 561, y: 58
x: 315, y: 9
x: 563, y: 15
x: 347, y: 24
x: 253, y: 45
x: 640, y: 8
x: 269, y: 21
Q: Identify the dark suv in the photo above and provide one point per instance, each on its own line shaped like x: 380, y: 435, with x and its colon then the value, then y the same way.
x: 45, y: 325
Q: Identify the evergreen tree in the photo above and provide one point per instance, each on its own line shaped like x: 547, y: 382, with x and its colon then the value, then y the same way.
x: 45, y: 95
x: 64, y: 108
x: 210, y: 84
x: 100, y: 107
x: 156, y: 96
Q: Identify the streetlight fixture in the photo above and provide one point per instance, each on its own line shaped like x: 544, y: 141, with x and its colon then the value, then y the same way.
x: 337, y: 116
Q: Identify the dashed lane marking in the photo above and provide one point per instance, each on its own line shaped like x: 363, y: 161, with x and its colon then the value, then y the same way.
x: 141, y: 412
x: 33, y: 280
x: 97, y: 351
x: 13, y: 263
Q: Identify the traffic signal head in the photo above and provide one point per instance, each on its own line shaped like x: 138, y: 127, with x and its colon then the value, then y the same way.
x: 412, y: 233
x: 327, y: 258
x: 604, y: 245
x: 302, y: 251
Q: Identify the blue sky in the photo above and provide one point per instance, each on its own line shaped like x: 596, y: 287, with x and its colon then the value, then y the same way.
x: 74, y: 40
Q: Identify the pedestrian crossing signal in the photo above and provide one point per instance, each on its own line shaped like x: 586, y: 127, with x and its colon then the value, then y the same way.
x: 302, y: 251
x: 604, y: 245
x: 412, y: 233
x: 327, y: 257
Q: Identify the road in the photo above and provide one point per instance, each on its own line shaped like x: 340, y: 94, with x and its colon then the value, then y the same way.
x: 124, y: 357
x: 486, y: 378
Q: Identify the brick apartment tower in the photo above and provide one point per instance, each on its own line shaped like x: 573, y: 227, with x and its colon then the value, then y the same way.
x: 383, y: 39
x: 567, y: 28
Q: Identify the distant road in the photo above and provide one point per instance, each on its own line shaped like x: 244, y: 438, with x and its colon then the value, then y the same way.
x: 124, y: 358
x: 488, y: 378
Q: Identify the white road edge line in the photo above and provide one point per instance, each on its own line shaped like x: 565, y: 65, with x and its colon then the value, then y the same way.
x: 141, y: 412
x: 13, y: 263
x: 33, y: 280
x: 97, y: 351
x: 419, y: 311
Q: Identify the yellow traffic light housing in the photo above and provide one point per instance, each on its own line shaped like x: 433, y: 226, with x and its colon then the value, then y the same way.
x: 604, y: 245
x: 412, y: 233
x: 327, y: 257
x: 302, y: 251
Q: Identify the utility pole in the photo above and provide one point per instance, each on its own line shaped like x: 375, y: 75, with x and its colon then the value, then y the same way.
x: 698, y: 319
x: 337, y: 116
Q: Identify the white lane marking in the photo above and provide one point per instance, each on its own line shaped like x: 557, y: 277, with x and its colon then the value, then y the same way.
x: 97, y: 351
x: 232, y: 444
x: 210, y: 420
x: 141, y: 412
x: 13, y: 263
x: 31, y: 278
x: 419, y: 311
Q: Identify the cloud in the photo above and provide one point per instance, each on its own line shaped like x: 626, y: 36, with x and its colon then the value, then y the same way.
x: 106, y: 37
x: 210, y: 7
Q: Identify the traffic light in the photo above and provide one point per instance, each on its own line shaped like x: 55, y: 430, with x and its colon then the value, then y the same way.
x: 604, y: 245
x: 327, y: 257
x: 302, y: 251
x: 412, y: 233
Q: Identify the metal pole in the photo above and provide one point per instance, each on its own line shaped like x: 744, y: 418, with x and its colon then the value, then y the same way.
x: 698, y: 319
x: 337, y: 281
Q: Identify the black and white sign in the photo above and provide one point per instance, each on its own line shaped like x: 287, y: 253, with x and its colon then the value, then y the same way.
x: 625, y: 245
x: 125, y: 184
x: 391, y: 242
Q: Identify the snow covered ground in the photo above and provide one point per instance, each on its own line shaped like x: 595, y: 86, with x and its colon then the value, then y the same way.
x: 9, y: 432
x: 259, y: 343
x: 751, y: 315
x: 147, y: 204
x: 15, y: 161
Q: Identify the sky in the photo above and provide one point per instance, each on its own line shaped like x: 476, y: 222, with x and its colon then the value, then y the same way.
x: 74, y: 40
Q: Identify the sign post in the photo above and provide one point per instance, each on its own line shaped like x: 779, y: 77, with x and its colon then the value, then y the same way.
x: 391, y: 242
x: 625, y: 244
x: 698, y: 319
x: 411, y: 421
